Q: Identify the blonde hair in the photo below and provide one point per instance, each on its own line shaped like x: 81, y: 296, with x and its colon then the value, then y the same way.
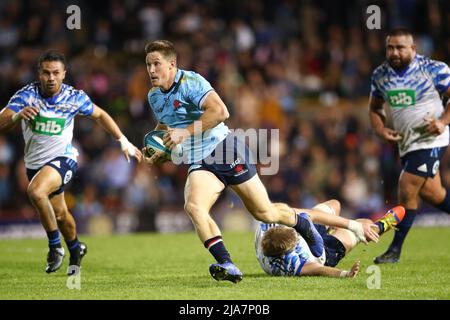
x: 278, y: 241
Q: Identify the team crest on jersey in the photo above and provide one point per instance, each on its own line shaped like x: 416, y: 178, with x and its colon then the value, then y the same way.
x: 176, y: 104
x: 435, y: 167
x: 66, y: 107
x: 401, y: 98
x: 68, y: 176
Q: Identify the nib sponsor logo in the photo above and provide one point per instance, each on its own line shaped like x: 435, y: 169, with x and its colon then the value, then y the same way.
x: 48, y: 126
x: 402, y: 98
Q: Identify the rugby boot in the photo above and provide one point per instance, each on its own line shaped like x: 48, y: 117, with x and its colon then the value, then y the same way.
x: 225, y: 271
x: 390, y: 256
x: 55, y: 257
x: 76, y: 255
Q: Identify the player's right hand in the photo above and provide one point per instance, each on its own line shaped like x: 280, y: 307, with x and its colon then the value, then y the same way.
x: 390, y: 135
x: 155, y: 159
x: 28, y: 113
x: 369, y: 231
x: 435, y: 126
x: 364, y: 231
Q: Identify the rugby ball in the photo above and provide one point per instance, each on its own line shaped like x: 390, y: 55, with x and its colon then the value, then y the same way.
x: 153, y: 141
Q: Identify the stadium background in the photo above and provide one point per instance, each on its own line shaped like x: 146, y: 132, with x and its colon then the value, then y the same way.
x: 301, y: 66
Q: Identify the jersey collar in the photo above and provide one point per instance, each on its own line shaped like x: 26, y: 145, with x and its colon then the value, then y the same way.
x: 178, y: 77
x: 402, y: 72
x: 51, y: 100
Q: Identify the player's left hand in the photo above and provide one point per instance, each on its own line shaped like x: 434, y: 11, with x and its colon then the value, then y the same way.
x: 134, y: 152
x: 175, y: 136
x: 355, y: 270
x: 129, y: 149
x: 434, y: 126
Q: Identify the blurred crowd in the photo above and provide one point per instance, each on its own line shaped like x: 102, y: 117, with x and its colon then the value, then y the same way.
x: 301, y: 66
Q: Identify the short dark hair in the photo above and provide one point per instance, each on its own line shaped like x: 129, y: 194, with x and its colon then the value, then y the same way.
x: 165, y: 47
x: 399, y: 32
x: 51, y: 55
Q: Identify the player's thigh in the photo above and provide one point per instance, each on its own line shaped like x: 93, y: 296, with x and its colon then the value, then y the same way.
x: 201, y: 190
x: 59, y: 205
x: 254, y: 196
x: 46, y: 181
x: 409, y: 186
x: 346, y: 237
x: 432, y: 190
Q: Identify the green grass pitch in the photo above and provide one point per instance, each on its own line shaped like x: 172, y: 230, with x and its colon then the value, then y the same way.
x: 175, y: 266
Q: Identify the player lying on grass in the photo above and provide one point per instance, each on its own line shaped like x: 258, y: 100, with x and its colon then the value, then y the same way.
x: 281, y: 251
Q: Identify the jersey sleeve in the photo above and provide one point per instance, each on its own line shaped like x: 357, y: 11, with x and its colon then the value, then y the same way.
x: 18, y: 101
x: 86, y: 106
x: 374, y: 88
x: 154, y: 113
x: 294, y: 263
x: 197, y: 89
x: 440, y: 73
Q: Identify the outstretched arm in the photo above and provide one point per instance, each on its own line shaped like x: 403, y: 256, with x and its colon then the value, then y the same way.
x: 316, y: 269
x: 107, y: 123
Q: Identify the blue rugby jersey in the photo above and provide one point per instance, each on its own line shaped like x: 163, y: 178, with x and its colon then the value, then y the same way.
x: 291, y: 263
x: 412, y: 95
x: 180, y: 106
x: 50, y: 134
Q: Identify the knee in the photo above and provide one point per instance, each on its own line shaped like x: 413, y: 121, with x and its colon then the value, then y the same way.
x: 335, y: 205
x: 331, y: 207
x: 61, y: 215
x: 193, y: 209
x: 35, y: 193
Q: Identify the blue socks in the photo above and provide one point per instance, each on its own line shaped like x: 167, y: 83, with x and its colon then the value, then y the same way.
x: 73, y: 244
x: 403, y: 229
x: 308, y: 231
x: 217, y: 248
x: 54, y: 240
